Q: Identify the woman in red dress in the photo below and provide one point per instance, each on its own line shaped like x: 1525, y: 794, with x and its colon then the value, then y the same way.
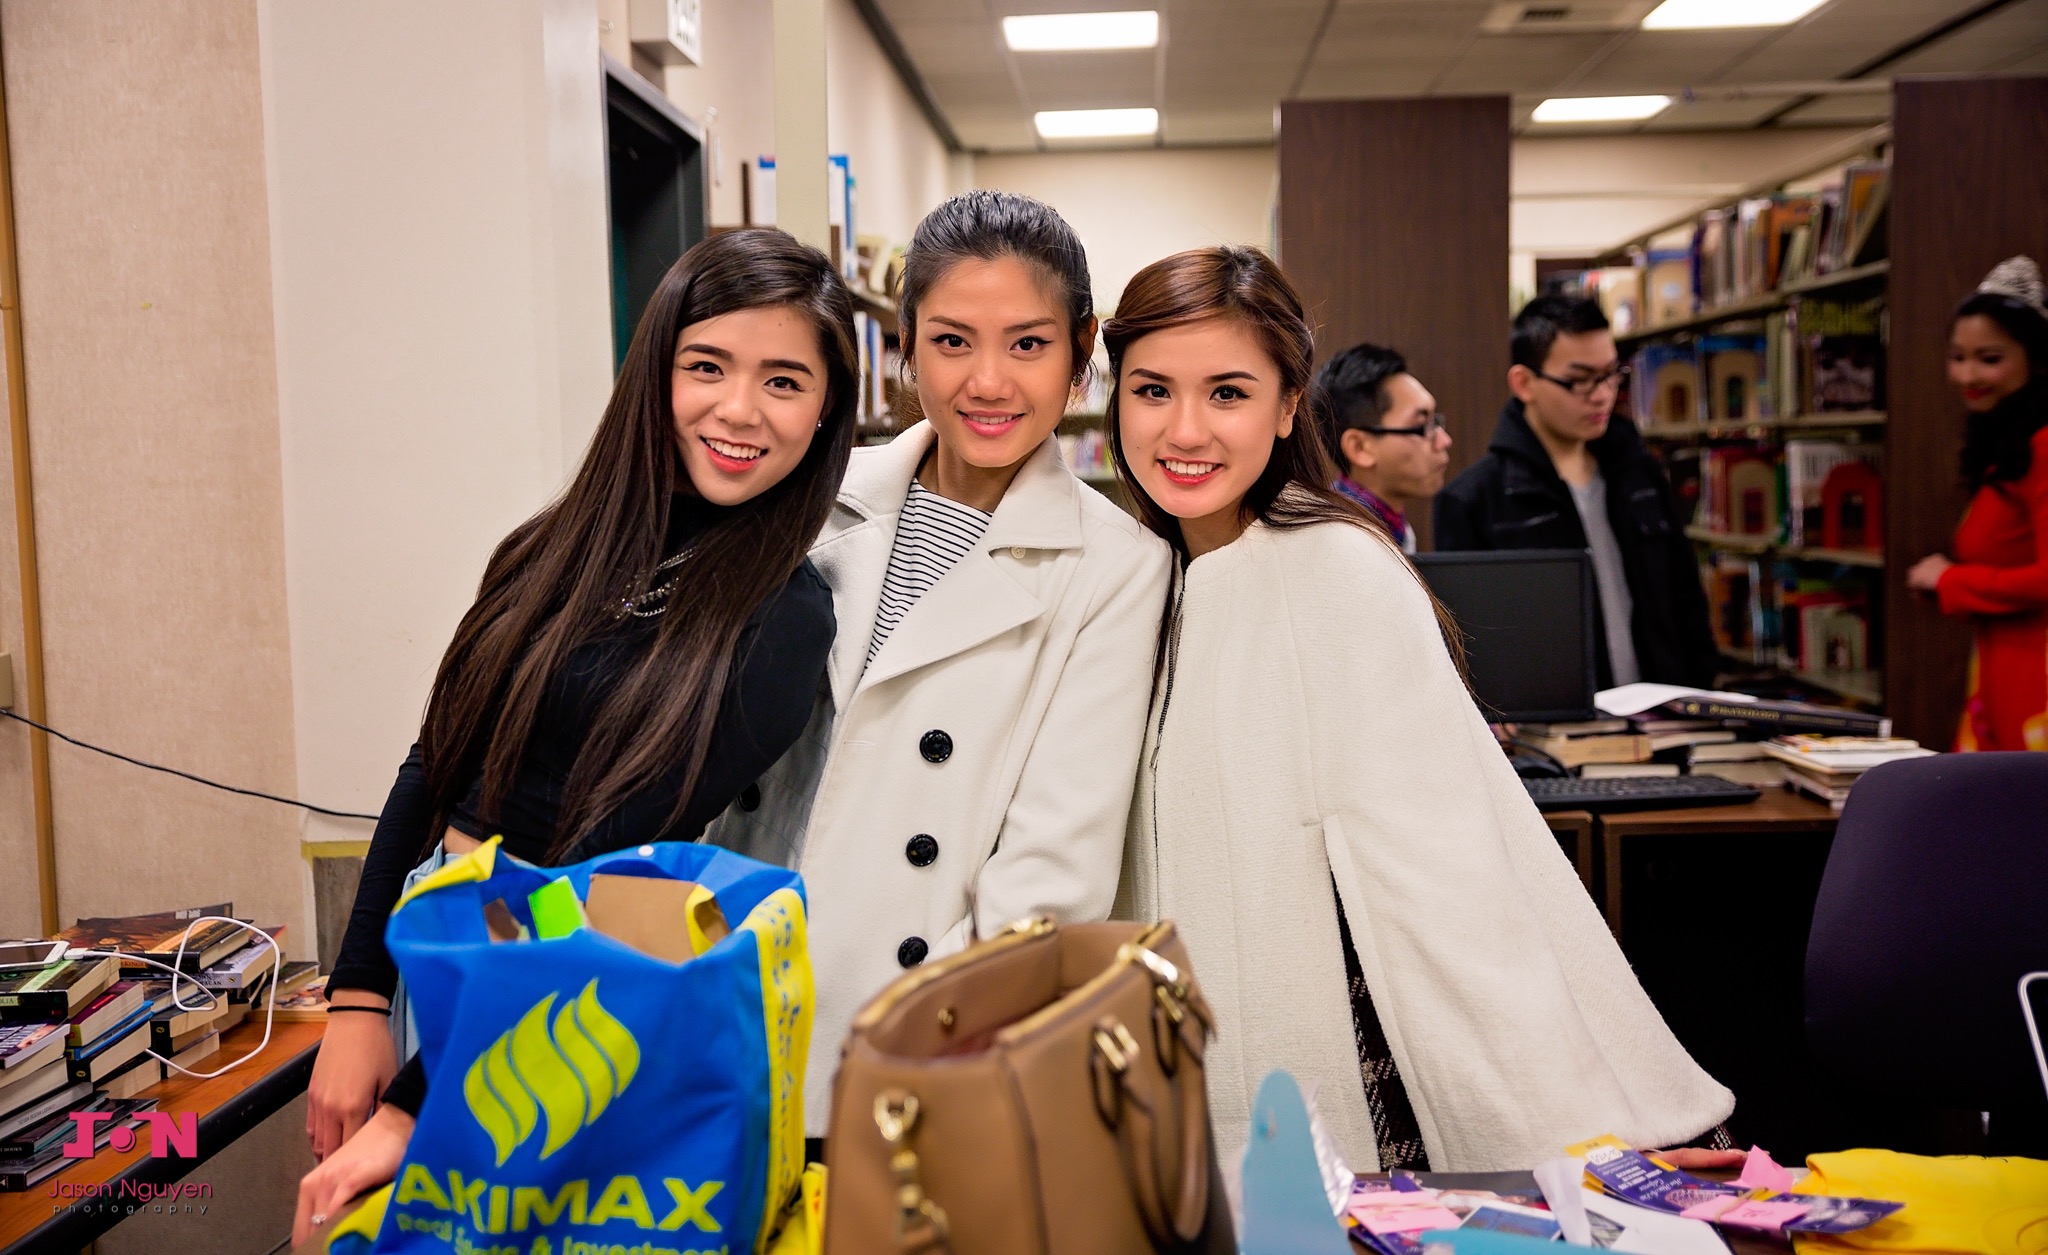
x: 1998, y: 361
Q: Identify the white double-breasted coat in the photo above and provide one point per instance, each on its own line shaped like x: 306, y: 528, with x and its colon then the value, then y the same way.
x: 985, y: 756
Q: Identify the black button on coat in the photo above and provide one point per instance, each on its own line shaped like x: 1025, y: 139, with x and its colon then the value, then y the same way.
x: 912, y: 951
x: 936, y: 746
x: 922, y: 850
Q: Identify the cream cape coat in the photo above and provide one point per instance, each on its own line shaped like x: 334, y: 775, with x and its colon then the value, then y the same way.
x: 1316, y: 730
x: 1034, y: 657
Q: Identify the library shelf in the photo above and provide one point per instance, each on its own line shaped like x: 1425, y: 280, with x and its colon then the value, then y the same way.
x: 1762, y: 303
x: 1735, y: 542
x: 1861, y: 686
x: 878, y: 307
x: 1796, y: 422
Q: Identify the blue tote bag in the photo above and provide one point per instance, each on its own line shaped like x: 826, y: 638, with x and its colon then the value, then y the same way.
x: 585, y: 1096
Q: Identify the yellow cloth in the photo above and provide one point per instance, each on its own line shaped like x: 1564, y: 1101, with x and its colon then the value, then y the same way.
x: 1955, y: 1203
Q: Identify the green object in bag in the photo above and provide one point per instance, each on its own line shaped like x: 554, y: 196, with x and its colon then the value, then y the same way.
x: 557, y: 911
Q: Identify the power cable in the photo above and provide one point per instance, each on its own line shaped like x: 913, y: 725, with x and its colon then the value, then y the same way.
x: 186, y: 775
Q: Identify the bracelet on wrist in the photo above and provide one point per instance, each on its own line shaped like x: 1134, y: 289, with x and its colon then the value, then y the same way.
x: 332, y: 1007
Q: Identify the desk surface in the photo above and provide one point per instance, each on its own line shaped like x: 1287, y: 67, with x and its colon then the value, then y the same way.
x: 1777, y: 810
x: 228, y: 1106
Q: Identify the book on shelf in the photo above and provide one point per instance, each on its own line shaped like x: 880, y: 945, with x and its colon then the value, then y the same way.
x: 73, y: 1097
x: 305, y: 1004
x: 244, y: 967
x: 133, y: 1078
x: 40, y: 1076
x: 28, y: 1171
x: 1666, y: 388
x: 121, y: 1000
x: 1726, y: 752
x: 1844, y: 354
x: 21, y: 1043
x: 1783, y: 716
x: 158, y: 936
x: 1734, y: 367
x: 54, y: 994
x: 1626, y: 771
x: 1764, y: 774
x: 104, y: 1057
x: 53, y: 1128
x: 1808, y: 463
x: 1835, y: 757
x: 200, y: 1007
x: 1667, y: 286
x: 1577, y: 751
x: 1662, y: 741
x: 1739, y: 493
x: 192, y: 1055
x: 170, y: 1026
x: 1836, y: 796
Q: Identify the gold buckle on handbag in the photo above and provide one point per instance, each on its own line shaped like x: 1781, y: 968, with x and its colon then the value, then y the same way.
x: 896, y: 1115
x: 1115, y: 1050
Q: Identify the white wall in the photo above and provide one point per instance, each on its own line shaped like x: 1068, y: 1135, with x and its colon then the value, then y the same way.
x: 899, y: 163
x: 1577, y: 195
x: 1133, y: 208
x: 440, y: 284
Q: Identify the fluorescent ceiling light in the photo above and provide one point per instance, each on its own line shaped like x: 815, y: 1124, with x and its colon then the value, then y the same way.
x: 1081, y: 32
x: 1711, y: 14
x: 1600, y: 108
x: 1096, y: 123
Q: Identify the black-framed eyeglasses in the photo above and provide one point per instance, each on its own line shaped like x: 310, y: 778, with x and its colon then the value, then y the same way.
x: 1429, y: 427
x: 1590, y: 384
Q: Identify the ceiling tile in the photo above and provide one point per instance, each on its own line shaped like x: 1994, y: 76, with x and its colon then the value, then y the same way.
x: 1198, y: 126
x: 1984, y: 45
x: 1663, y: 60
x: 1840, y: 37
x: 1841, y: 111
x: 1716, y: 115
x: 1089, y: 80
x: 1519, y: 63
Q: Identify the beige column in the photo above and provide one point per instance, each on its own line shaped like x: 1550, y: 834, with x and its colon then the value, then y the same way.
x: 800, y: 152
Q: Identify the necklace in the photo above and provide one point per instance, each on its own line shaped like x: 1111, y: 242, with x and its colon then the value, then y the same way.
x: 653, y: 602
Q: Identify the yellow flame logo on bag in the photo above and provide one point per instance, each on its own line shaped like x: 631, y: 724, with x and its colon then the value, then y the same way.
x: 570, y: 1075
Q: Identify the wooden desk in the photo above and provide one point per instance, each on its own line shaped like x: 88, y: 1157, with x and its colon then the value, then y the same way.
x: 1712, y: 906
x: 1575, y: 831
x: 1779, y: 812
x: 228, y: 1106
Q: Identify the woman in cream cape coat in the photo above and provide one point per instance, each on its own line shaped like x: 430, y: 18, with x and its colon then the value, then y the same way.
x: 1033, y: 660
x: 1314, y: 730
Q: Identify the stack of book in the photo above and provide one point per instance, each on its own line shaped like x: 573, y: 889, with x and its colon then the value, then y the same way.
x: 32, y: 1140
x: 108, y: 1041
x: 1827, y: 767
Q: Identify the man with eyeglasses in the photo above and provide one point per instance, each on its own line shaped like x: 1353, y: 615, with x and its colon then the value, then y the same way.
x: 1563, y: 472
x: 1385, y: 433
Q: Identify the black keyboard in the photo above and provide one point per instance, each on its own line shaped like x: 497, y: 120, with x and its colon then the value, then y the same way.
x: 1636, y: 793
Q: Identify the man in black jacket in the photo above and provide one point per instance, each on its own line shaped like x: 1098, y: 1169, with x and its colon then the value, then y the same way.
x: 1563, y: 472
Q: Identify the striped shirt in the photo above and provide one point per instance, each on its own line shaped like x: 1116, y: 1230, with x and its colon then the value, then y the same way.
x: 932, y: 535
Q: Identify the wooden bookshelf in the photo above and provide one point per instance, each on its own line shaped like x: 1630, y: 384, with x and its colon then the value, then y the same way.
x: 1777, y: 568
x: 1958, y: 204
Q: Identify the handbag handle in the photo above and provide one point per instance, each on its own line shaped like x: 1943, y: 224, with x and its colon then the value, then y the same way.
x: 1179, y: 1220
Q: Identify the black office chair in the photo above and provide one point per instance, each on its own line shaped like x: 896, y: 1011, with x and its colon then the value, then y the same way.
x: 1934, y: 904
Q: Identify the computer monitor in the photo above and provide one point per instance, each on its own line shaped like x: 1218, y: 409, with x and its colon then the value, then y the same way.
x: 1528, y: 621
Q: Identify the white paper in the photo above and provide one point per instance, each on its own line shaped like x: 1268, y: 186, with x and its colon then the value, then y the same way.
x: 1634, y: 699
x: 1561, y: 1180
x: 1646, y: 1232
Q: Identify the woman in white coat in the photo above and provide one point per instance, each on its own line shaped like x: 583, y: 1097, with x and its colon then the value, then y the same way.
x: 972, y: 757
x: 1369, y: 896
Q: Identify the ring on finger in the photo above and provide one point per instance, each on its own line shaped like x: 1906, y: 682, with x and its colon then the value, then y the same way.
x: 319, y: 1218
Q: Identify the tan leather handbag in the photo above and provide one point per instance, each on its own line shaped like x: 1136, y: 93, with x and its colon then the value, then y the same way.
x: 1038, y: 1093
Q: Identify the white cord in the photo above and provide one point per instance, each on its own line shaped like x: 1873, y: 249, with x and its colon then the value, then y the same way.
x: 2034, y: 1029
x: 176, y: 969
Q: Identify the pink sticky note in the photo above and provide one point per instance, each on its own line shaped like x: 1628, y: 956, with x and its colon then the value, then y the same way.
x: 1763, y: 1215
x: 1408, y: 1220
x: 1761, y: 1172
x: 1713, y: 1208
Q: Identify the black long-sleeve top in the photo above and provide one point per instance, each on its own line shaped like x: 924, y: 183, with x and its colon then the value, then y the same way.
x: 767, y: 700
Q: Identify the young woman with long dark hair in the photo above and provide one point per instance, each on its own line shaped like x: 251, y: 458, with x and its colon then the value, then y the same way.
x: 1998, y: 362
x: 972, y: 760
x: 638, y: 652
x: 1373, y: 900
